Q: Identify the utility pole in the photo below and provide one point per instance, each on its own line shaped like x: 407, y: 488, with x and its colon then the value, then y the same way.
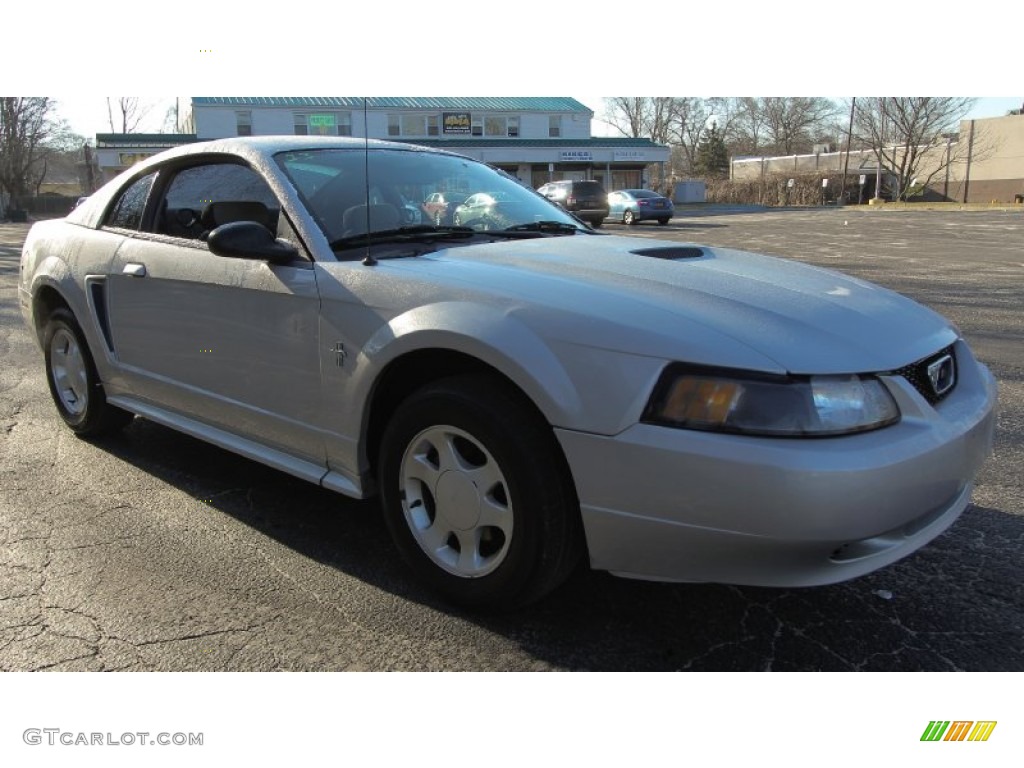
x: 89, y: 181
x: 849, y: 140
x: 877, y: 199
x: 945, y: 189
x: 970, y: 153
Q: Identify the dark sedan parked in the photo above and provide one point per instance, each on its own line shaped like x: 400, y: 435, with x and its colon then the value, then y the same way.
x: 631, y: 206
x: 587, y: 200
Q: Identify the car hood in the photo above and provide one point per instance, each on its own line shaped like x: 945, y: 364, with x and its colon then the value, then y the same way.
x: 721, y: 307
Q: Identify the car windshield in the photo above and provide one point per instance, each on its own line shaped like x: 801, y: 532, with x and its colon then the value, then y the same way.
x: 354, y: 192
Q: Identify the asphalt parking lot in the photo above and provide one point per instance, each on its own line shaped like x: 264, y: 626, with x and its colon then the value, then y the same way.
x: 153, y: 551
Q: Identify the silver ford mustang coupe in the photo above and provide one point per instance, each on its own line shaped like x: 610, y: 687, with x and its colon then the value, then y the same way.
x: 521, y: 391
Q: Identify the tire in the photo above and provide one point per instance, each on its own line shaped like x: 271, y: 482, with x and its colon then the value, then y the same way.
x: 476, y: 494
x: 437, y: 219
x: 628, y: 218
x: 596, y: 223
x: 662, y: 222
x: 74, y: 384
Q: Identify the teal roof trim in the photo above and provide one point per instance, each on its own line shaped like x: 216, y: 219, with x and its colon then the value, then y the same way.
x: 136, y: 139
x: 452, y: 103
x: 613, y: 142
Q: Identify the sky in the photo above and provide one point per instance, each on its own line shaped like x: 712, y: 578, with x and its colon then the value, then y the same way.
x: 785, y: 48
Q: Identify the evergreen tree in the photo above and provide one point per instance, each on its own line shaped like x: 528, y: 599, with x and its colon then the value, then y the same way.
x: 712, y: 156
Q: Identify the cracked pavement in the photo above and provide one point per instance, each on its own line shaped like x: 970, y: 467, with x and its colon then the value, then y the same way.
x: 154, y: 551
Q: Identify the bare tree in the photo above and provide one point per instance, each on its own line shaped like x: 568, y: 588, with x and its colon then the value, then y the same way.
x: 747, y: 133
x: 640, y: 116
x: 910, y: 134
x: 170, y: 124
x: 125, y: 113
x: 782, y: 125
x: 692, y: 118
x: 24, y: 128
x: 794, y: 123
x: 681, y: 122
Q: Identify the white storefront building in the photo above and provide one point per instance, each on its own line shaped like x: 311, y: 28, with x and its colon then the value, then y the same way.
x: 537, y: 139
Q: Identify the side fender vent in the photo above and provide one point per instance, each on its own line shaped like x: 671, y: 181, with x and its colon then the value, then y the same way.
x: 672, y: 252
x: 98, y: 300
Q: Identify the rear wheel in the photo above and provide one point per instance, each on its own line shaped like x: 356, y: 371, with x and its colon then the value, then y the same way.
x: 476, y: 494
x: 628, y: 218
x: 663, y: 222
x: 74, y: 383
x: 596, y: 223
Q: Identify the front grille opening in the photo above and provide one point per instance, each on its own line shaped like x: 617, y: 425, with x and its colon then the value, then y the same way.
x: 917, y: 375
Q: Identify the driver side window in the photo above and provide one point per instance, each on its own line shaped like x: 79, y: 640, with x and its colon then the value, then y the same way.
x: 202, y: 197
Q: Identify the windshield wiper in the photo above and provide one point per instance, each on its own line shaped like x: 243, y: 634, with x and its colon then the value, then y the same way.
x: 544, y: 227
x: 420, y: 233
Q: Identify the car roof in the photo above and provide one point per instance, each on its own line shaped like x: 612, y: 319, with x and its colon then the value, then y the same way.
x: 252, y: 147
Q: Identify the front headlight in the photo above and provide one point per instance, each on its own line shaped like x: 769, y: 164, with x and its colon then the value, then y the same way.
x: 782, y: 406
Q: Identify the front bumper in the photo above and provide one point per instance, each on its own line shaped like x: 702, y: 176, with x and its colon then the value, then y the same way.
x: 677, y: 505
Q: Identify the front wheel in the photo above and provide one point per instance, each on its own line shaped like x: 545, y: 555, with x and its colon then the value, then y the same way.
x: 74, y: 383
x: 476, y: 494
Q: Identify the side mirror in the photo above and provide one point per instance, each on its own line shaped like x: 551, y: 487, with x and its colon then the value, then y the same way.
x: 250, y: 240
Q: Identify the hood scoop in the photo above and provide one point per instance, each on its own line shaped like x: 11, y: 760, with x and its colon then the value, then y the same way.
x: 671, y: 252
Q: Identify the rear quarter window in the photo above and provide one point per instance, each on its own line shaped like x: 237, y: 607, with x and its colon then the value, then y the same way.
x: 127, y: 211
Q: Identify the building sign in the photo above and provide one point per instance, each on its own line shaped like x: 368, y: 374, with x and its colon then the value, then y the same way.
x: 456, y: 122
x: 629, y: 155
x: 128, y: 159
x: 321, y: 121
x: 576, y: 156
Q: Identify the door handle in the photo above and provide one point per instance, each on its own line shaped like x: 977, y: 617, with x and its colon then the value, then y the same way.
x: 134, y: 270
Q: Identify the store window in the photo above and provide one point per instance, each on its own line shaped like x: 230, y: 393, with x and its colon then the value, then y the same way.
x: 323, y: 123
x: 243, y: 123
x: 415, y: 125
x: 494, y: 126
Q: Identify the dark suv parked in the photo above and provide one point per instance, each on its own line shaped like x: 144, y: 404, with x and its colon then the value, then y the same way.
x: 586, y: 199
